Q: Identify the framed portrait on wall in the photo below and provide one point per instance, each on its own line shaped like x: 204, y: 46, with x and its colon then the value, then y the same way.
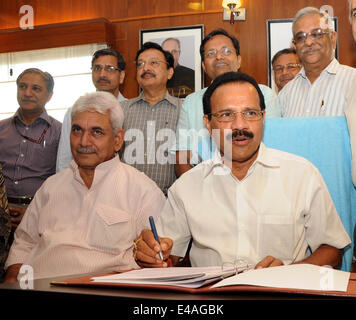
x: 279, y: 36
x: 183, y: 43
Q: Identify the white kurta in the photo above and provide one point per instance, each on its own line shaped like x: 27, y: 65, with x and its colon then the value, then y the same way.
x: 70, y: 229
x: 280, y: 208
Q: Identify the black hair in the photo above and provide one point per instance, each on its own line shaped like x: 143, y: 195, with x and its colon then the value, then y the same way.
x: 216, y: 33
x: 47, y: 77
x: 110, y: 52
x: 229, y: 77
x: 152, y: 45
x: 282, y: 52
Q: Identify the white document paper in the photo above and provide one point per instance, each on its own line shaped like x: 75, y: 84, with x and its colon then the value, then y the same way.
x: 190, y: 277
x: 296, y: 276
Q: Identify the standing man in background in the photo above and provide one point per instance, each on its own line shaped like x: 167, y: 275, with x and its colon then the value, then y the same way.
x: 286, y: 65
x: 28, y: 141
x: 108, y: 73
x: 151, y: 118
x: 323, y: 86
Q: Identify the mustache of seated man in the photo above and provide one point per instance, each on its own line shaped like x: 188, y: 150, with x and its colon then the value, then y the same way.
x: 85, y: 150
x: 237, y: 133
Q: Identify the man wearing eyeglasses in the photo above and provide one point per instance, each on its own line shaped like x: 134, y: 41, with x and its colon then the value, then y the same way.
x: 108, y: 73
x: 183, y: 81
x: 248, y: 202
x: 151, y: 118
x: 323, y: 86
x: 28, y: 141
x: 220, y: 53
x: 286, y: 65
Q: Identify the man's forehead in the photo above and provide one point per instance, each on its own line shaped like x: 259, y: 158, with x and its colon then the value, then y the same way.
x: 151, y: 53
x: 307, y: 23
x: 286, y: 58
x: 170, y: 44
x: 33, y: 78
x: 106, y: 59
x: 222, y: 39
x: 238, y: 91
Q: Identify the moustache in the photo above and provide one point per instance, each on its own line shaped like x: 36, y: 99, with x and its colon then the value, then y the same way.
x: 86, y: 150
x: 239, y: 133
x: 103, y: 80
x: 28, y: 100
x: 147, y: 73
x: 309, y: 49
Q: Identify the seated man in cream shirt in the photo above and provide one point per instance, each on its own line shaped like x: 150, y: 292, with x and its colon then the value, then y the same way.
x: 248, y: 202
x: 85, y: 218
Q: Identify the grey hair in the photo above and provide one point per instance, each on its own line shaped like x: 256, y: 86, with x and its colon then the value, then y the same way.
x: 311, y: 11
x: 101, y: 102
x: 47, y: 77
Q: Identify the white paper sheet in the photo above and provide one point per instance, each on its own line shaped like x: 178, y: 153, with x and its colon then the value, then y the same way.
x: 297, y: 276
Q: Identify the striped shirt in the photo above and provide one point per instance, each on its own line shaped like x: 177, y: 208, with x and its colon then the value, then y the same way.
x: 70, y: 229
x: 327, y: 96
x: 149, y: 134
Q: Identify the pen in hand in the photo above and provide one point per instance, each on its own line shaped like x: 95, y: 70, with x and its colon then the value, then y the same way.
x: 154, y: 231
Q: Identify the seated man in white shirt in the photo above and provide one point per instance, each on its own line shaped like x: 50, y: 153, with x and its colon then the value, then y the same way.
x: 85, y: 218
x: 248, y: 202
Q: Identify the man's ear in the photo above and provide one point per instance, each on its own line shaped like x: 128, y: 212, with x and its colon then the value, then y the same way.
x: 122, y: 76
x: 203, y: 66
x: 170, y: 73
x: 207, y: 123
x: 119, y: 139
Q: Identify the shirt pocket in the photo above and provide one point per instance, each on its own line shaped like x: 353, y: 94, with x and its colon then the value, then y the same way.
x: 111, y: 229
x: 275, y: 234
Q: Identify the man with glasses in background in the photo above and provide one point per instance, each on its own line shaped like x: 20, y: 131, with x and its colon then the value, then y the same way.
x: 28, y: 141
x: 286, y: 66
x: 323, y: 86
x: 151, y: 118
x: 220, y: 53
x: 108, y: 73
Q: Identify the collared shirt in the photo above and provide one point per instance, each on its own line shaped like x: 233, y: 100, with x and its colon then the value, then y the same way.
x: 280, y: 208
x: 149, y: 134
x: 64, y: 156
x: 26, y: 164
x: 191, y: 128
x: 70, y: 229
x: 326, y: 96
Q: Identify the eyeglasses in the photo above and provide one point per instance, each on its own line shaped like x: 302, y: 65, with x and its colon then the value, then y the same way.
x: 154, y: 63
x: 315, y: 34
x: 107, y: 68
x: 212, y: 53
x: 289, y: 67
x: 227, y: 116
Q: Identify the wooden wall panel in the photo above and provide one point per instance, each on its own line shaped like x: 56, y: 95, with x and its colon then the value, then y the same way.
x: 129, y: 16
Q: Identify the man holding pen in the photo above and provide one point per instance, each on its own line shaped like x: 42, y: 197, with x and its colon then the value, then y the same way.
x: 249, y: 202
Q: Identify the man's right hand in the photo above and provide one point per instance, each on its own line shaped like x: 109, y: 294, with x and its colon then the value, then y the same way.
x: 146, y: 250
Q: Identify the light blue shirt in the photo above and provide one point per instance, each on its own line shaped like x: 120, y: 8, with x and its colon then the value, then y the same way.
x: 64, y: 154
x: 191, y: 128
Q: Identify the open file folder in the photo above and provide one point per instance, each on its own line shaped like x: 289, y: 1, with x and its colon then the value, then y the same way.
x: 302, y: 278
